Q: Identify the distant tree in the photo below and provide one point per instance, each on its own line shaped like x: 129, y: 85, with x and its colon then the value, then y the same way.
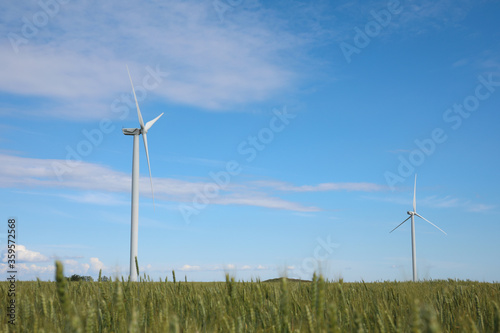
x: 76, y: 277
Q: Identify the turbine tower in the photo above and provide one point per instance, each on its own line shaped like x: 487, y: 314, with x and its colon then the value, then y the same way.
x: 412, y: 217
x: 135, y: 180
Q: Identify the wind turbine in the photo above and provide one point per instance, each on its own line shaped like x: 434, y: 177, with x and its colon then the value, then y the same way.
x: 135, y: 180
x: 412, y: 216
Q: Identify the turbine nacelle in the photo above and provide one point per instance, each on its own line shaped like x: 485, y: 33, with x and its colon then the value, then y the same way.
x: 131, y: 131
x: 410, y: 212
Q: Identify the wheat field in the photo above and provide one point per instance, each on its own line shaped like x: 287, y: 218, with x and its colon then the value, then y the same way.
x: 255, y: 306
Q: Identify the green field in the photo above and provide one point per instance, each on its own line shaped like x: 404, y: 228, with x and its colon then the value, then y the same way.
x: 282, y: 306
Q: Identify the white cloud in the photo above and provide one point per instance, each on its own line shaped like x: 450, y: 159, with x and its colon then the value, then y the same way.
x: 472, y: 207
x: 29, y: 270
x: 96, y: 179
x: 286, y: 187
x: 263, y: 201
x: 460, y: 63
x: 189, y: 268
x: 210, y: 64
x: 25, y: 255
x: 97, y: 198
x: 54, y: 74
x: 223, y: 268
x: 71, y: 267
x: 96, y: 264
x: 439, y: 202
x: 427, y: 14
x: 451, y: 202
x: 70, y: 262
x: 76, y: 65
x: 46, y: 271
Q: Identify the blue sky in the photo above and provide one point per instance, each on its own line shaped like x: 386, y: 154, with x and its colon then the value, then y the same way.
x: 291, y: 136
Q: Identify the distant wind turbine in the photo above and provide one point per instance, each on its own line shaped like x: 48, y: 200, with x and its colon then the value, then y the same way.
x: 135, y: 180
x: 412, y: 216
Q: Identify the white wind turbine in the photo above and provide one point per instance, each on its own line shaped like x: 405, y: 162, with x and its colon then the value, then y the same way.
x: 135, y: 180
x: 412, y: 216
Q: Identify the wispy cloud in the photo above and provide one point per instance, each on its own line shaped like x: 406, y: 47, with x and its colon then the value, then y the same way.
x: 98, y: 182
x: 428, y: 15
x: 452, y: 202
x: 475, y: 207
x: 460, y: 63
x: 261, y: 200
x: 439, y: 202
x: 95, y: 198
x: 74, y: 67
x: 77, y: 66
x: 226, y: 267
x: 286, y: 187
x: 198, y: 161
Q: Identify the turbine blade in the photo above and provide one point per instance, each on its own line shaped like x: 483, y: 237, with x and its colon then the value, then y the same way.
x: 150, y: 123
x: 415, y: 195
x: 137, y: 104
x: 400, y: 224
x: 145, y: 138
x: 431, y: 223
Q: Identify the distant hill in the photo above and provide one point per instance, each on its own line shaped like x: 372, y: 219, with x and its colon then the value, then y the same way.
x: 288, y: 280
